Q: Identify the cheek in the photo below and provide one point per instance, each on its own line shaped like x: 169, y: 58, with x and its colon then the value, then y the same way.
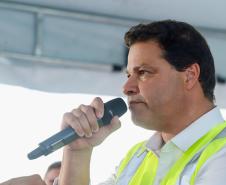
x: 161, y: 93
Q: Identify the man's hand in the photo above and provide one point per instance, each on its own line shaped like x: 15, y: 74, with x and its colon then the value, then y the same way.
x: 84, y: 121
x: 26, y: 180
x: 75, y: 168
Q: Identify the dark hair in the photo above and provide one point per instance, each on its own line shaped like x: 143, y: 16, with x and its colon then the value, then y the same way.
x: 55, y: 165
x: 182, y: 46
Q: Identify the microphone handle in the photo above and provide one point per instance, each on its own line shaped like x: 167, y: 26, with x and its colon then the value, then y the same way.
x: 113, y: 107
x: 57, y: 141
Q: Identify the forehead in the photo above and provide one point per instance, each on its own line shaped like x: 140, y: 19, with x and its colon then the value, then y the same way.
x: 146, y: 53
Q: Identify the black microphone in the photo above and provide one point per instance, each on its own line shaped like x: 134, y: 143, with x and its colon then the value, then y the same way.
x: 115, y: 107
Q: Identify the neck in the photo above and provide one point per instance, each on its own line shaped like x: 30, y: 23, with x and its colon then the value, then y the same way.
x: 189, y: 115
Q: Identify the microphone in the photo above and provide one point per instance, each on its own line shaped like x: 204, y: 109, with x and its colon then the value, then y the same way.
x: 115, y: 107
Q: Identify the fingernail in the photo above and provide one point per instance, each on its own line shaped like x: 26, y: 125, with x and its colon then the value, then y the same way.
x: 81, y: 134
x: 89, y: 135
x: 99, y: 115
x: 96, y: 130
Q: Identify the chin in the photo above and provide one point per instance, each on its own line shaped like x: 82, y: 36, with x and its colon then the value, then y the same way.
x: 138, y: 122
x: 144, y: 124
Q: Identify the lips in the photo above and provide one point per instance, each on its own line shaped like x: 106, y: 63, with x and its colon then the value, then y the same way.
x: 135, y: 100
x: 134, y: 103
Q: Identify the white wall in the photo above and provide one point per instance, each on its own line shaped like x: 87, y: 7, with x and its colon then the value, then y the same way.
x: 28, y: 117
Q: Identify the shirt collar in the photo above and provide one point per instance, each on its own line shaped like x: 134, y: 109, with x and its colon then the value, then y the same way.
x: 194, y: 131
x: 197, y: 129
x: 155, y: 143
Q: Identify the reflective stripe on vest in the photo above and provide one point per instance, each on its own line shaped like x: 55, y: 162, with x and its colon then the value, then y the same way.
x: 144, y: 175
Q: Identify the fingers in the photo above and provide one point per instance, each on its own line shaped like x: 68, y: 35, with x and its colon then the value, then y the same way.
x: 91, y: 116
x: 26, y: 180
x: 98, y: 106
x: 70, y: 120
x: 84, y: 118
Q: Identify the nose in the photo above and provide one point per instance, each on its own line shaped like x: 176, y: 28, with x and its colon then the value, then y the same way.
x: 131, y: 87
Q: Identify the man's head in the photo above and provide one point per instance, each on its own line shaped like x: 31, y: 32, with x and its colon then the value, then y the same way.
x: 52, y: 172
x: 182, y: 46
x: 170, y: 75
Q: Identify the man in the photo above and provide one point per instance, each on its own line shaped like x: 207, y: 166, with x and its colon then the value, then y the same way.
x: 52, y: 172
x: 170, y: 85
x: 26, y: 180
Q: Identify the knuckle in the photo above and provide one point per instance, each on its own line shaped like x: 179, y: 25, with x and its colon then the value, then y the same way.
x: 88, y: 110
x: 75, y: 111
x: 82, y: 106
x: 66, y: 115
x: 69, y: 117
x: 98, y: 99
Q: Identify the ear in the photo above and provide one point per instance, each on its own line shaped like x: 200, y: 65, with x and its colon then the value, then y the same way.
x: 191, y: 76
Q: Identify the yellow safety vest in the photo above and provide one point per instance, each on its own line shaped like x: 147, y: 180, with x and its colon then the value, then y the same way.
x: 209, y: 144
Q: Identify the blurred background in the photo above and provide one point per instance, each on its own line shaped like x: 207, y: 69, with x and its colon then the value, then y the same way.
x: 55, y: 55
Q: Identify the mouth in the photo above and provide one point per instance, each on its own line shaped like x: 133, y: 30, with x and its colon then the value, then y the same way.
x: 134, y: 103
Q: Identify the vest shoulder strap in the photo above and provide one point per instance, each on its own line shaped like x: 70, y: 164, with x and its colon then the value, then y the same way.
x: 176, y: 170
x: 129, y: 156
x: 216, y: 145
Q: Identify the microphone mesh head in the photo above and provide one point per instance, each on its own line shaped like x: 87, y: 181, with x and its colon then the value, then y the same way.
x: 117, y: 106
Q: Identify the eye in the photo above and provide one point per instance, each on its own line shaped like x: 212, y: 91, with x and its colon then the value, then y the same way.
x: 128, y: 75
x: 142, y: 72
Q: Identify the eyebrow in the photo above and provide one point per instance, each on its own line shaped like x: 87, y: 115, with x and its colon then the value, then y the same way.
x: 138, y: 67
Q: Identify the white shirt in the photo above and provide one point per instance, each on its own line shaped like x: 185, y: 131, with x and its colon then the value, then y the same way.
x: 213, y: 172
